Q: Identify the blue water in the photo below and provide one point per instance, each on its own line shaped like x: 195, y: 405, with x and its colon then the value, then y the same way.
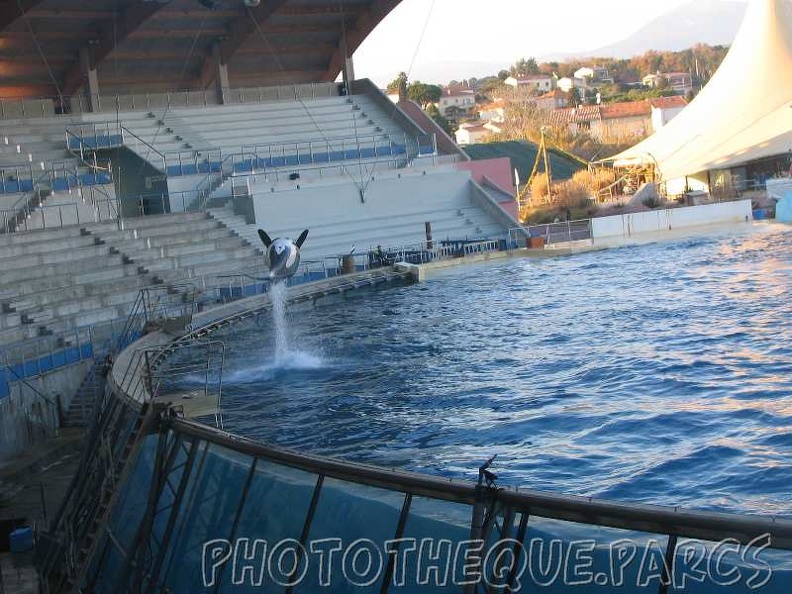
x: 658, y: 373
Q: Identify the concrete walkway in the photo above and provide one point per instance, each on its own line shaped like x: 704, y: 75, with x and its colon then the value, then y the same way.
x: 32, y: 487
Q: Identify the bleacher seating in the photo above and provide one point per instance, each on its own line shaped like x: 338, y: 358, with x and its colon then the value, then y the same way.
x: 195, y: 141
x: 55, y: 280
x: 282, y: 142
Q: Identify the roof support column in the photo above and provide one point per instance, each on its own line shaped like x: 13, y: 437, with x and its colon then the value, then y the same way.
x: 221, y: 80
x: 90, y: 79
x: 348, y: 71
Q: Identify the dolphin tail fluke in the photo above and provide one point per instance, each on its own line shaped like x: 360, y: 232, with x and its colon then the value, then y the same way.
x: 265, y: 239
x: 301, y: 238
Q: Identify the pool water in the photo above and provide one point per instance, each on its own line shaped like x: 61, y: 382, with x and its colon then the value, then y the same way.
x: 658, y: 373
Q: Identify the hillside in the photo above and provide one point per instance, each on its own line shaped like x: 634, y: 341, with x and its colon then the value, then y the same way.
x: 712, y: 22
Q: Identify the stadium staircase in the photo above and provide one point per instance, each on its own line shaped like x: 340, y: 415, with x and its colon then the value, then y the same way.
x: 37, y: 169
x: 330, y: 237
x: 55, y: 281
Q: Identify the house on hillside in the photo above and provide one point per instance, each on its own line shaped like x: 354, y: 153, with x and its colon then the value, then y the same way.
x: 555, y: 99
x: 566, y: 84
x: 495, y: 127
x: 620, y: 122
x: 679, y: 82
x: 541, y: 82
x: 664, y: 109
x: 495, y: 111
x: 593, y: 74
x: 472, y: 133
x: 456, y: 99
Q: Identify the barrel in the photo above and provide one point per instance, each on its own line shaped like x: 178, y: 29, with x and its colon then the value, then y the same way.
x: 348, y: 264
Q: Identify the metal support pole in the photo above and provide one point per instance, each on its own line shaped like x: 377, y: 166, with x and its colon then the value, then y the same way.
x: 405, y: 513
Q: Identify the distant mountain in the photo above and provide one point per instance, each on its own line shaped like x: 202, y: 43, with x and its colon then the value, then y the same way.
x: 714, y: 22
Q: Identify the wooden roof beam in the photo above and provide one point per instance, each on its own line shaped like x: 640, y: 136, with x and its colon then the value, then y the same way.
x: 133, y: 16
x: 365, y: 24
x: 9, y: 10
x: 240, y: 30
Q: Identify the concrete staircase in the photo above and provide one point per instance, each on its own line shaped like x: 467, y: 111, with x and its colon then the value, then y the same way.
x: 55, y: 281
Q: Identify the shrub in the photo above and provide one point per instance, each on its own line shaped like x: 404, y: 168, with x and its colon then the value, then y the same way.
x: 539, y: 189
x: 652, y: 202
x: 571, y: 194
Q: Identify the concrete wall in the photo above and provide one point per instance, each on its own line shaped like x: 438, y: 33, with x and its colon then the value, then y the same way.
x: 630, y: 225
x: 314, y: 205
x: 130, y: 172
x: 392, y: 211
x: 26, y: 419
x: 497, y: 170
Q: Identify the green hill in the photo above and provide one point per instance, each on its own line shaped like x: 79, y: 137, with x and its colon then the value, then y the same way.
x: 523, y: 155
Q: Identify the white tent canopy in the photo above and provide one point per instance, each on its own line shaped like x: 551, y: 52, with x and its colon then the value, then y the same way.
x: 743, y: 114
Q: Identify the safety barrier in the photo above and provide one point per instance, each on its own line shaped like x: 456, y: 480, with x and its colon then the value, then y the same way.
x: 44, y: 107
x: 176, y: 505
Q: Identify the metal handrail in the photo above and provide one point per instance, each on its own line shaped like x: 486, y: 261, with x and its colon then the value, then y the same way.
x: 325, y: 141
x: 712, y: 526
x: 57, y: 106
x: 127, y: 132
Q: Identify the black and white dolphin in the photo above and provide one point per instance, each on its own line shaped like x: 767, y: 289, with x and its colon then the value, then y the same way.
x: 283, y: 255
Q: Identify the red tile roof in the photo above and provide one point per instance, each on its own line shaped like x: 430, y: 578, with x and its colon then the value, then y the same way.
x: 616, y: 111
x: 668, y: 102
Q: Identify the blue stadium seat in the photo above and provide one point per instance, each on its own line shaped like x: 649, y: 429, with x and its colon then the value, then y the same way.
x: 10, y: 187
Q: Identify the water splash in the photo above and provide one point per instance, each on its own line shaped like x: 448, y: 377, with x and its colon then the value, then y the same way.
x: 278, y: 295
x: 286, y: 357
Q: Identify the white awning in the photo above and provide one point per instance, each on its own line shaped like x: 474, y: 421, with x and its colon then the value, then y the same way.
x: 743, y: 114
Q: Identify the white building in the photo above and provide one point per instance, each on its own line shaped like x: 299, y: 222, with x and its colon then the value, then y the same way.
x: 471, y: 133
x: 593, y: 74
x: 566, y: 84
x: 541, y: 82
x: 456, y: 97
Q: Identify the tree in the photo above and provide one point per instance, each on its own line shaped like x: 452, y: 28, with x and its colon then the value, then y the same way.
x: 573, y: 97
x: 503, y: 75
x: 523, y: 67
x: 453, y: 112
x: 424, y: 94
x: 398, y: 85
x: 434, y: 113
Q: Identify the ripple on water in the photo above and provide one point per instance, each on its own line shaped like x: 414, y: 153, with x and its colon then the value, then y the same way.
x: 657, y: 373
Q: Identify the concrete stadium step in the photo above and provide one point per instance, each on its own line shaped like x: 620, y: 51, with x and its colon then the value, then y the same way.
x: 9, y: 336
x: 197, y: 260
x: 175, y: 230
x: 225, y: 244
x: 158, y: 246
x: 109, y: 274
x: 38, y: 235
x: 33, y: 299
x: 261, y: 107
x: 165, y: 257
x: 144, y: 222
x: 46, y: 245
x: 10, y: 320
x: 239, y: 226
x: 27, y: 280
x: 33, y: 261
x: 66, y: 325
x: 75, y: 309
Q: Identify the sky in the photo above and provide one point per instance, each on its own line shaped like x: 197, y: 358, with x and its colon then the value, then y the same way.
x: 464, y: 38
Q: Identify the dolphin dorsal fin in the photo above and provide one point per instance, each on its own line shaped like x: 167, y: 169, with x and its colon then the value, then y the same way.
x: 265, y: 239
x: 301, y: 238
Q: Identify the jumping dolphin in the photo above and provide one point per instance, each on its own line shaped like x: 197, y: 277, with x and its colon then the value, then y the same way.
x: 283, y: 254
